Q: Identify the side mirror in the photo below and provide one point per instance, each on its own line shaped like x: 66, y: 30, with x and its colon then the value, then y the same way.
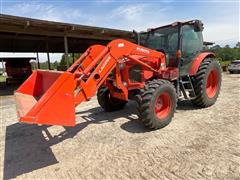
x: 135, y: 32
x: 198, y: 26
x: 136, y: 36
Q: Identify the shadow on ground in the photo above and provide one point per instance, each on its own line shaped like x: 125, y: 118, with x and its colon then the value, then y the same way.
x: 27, y: 149
x: 185, y: 105
x: 97, y: 115
x: 7, y: 90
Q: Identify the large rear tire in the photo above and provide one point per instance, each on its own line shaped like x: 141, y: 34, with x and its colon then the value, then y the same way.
x: 107, y: 102
x: 207, y: 83
x: 157, y: 104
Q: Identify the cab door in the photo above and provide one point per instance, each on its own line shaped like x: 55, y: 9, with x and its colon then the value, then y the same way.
x: 192, y: 44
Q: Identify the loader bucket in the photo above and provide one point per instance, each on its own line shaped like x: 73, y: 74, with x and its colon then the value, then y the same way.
x: 47, y: 97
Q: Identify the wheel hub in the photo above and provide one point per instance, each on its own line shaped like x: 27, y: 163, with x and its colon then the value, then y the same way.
x: 212, y: 83
x: 163, y: 106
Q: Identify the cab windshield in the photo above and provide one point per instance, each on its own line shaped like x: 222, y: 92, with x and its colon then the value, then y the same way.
x: 164, y: 39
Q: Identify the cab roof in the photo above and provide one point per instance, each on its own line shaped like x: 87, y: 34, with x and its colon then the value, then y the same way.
x: 190, y: 22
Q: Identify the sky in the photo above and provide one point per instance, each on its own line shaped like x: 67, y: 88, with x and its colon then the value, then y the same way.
x: 220, y: 17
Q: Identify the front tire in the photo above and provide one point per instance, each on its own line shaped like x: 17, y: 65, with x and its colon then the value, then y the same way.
x: 157, y: 104
x: 207, y: 83
x: 107, y: 102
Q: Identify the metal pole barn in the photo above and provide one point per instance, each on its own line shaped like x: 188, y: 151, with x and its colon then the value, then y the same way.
x: 38, y: 64
x: 66, y: 50
x: 3, y: 67
x: 48, y: 57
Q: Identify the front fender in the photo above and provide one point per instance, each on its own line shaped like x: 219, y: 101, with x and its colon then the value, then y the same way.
x: 198, y: 60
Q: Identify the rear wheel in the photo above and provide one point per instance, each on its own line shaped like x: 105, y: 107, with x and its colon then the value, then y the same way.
x: 207, y: 83
x: 107, y: 102
x: 157, y: 103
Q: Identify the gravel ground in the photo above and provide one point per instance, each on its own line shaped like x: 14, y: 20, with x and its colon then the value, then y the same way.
x: 198, y: 143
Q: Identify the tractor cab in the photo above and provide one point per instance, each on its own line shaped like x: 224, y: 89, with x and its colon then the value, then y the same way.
x: 181, y: 42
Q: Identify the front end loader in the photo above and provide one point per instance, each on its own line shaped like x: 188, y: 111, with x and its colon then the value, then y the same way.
x: 156, y: 72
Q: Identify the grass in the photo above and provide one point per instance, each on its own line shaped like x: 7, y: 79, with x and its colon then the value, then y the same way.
x: 3, y: 78
x: 225, y: 63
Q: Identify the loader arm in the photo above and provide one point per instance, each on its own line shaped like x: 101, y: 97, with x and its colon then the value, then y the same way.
x: 49, y: 97
x: 96, y: 71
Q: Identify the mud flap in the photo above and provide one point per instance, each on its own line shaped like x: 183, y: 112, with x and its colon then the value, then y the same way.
x: 47, y: 97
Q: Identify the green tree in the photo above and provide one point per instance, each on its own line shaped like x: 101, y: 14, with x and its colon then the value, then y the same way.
x: 55, y: 65
x: 63, y: 64
x: 216, y: 47
x: 226, y: 54
x: 237, y: 45
x: 227, y: 46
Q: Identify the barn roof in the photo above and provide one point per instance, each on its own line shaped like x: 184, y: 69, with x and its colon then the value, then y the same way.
x: 20, y: 34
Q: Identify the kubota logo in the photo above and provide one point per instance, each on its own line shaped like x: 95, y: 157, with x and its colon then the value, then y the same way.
x: 104, y: 64
x: 143, y: 50
x: 120, y: 45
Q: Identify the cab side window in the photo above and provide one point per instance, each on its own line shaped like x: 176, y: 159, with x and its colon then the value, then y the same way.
x: 192, y: 42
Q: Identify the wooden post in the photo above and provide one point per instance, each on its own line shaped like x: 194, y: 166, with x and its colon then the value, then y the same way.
x: 38, y: 64
x: 3, y: 67
x: 48, y: 57
x: 66, y: 50
x: 73, y: 57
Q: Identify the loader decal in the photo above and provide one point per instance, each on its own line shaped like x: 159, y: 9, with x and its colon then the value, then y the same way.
x: 143, y: 50
x: 104, y: 64
x: 120, y: 45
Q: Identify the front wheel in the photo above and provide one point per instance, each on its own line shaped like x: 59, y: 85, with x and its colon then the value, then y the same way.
x: 157, y: 103
x: 107, y: 102
x: 207, y: 83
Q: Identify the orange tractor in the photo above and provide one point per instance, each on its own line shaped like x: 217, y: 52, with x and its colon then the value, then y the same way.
x: 165, y: 64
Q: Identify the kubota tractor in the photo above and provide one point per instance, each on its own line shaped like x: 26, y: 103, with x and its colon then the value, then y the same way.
x: 165, y: 64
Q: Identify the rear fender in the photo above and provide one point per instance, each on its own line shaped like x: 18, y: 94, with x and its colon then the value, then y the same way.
x: 198, y: 60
